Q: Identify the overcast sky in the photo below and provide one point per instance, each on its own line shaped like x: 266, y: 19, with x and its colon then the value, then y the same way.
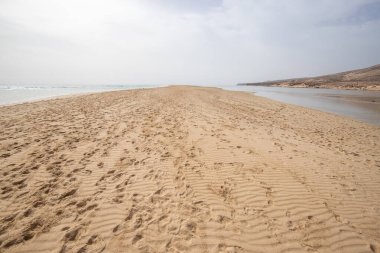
x: 204, y: 42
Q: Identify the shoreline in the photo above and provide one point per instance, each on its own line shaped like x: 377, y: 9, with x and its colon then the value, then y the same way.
x: 187, y: 169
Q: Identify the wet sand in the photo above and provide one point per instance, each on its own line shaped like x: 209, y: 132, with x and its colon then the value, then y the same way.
x: 186, y: 169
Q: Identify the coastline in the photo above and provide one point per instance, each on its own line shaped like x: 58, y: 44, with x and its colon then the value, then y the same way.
x: 371, y: 101
x: 185, y: 168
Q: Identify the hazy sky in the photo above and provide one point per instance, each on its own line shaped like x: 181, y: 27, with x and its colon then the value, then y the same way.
x: 181, y: 41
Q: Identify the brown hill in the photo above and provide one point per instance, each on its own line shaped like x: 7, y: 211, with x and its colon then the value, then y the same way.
x: 367, y: 78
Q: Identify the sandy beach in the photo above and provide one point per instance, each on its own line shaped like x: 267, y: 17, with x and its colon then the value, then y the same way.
x: 186, y: 169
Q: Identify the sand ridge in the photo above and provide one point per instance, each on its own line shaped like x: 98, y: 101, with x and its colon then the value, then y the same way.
x: 186, y: 169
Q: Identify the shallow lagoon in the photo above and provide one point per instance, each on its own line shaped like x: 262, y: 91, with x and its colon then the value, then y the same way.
x: 357, y: 104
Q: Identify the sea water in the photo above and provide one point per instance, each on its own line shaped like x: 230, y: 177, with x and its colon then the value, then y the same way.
x: 20, y: 94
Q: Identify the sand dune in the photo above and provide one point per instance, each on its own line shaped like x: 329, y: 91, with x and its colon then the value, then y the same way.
x: 185, y: 169
x: 367, y: 79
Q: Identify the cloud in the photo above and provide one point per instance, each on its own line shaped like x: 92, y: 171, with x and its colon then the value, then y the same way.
x: 171, y: 41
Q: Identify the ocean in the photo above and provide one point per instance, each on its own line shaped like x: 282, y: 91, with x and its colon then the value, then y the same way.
x: 19, y: 94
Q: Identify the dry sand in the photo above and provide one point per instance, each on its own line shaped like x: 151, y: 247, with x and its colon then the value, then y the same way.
x: 185, y: 169
x: 359, y: 79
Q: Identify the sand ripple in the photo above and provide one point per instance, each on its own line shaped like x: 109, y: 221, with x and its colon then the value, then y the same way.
x: 184, y: 169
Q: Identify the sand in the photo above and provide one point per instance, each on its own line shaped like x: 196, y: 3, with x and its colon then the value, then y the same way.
x: 358, y: 79
x: 186, y: 169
